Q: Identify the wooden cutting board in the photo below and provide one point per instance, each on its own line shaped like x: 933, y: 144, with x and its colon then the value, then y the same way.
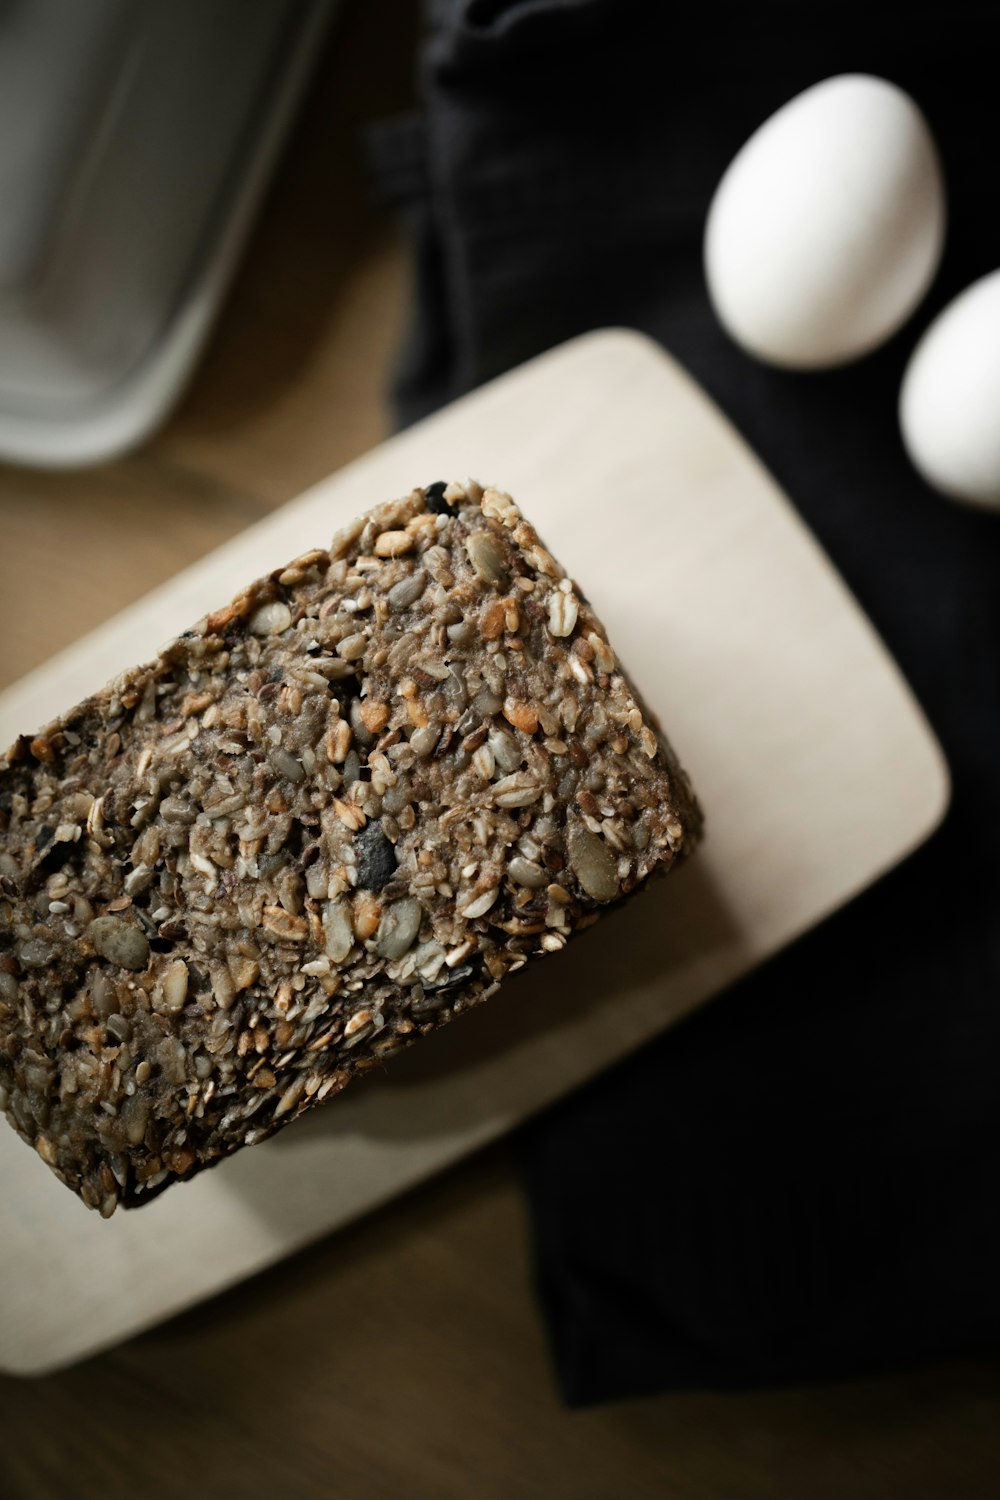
x: 815, y: 766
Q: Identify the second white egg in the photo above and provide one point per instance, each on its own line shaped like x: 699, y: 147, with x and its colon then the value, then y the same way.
x: 827, y: 227
x: 949, y: 406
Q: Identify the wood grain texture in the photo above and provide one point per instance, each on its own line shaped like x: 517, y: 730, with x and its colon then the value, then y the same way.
x: 405, y: 1356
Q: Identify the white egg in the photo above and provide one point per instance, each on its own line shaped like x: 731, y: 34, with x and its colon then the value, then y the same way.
x: 949, y: 406
x: 827, y: 227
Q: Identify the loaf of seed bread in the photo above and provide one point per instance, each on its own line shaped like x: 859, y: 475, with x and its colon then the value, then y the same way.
x: 329, y: 818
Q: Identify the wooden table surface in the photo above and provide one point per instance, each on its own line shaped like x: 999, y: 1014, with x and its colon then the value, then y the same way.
x: 406, y: 1356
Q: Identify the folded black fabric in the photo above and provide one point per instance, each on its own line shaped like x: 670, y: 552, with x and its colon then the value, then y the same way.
x: 801, y: 1180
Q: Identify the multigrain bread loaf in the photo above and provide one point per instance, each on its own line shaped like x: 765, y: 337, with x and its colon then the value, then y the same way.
x: 329, y: 818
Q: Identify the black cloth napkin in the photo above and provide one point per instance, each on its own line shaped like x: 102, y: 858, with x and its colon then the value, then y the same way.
x: 800, y: 1181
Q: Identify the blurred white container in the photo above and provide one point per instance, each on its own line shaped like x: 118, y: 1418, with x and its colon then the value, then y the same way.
x: 136, y: 137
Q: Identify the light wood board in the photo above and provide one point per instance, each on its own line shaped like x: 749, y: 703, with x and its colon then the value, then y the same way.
x: 815, y: 766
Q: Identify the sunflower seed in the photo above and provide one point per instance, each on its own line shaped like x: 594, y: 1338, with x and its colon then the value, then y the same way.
x: 480, y: 905
x: 408, y: 591
x: 399, y: 926
x: 526, y: 872
x: 338, y: 931
x: 119, y: 942
x: 486, y: 557
x: 270, y: 619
